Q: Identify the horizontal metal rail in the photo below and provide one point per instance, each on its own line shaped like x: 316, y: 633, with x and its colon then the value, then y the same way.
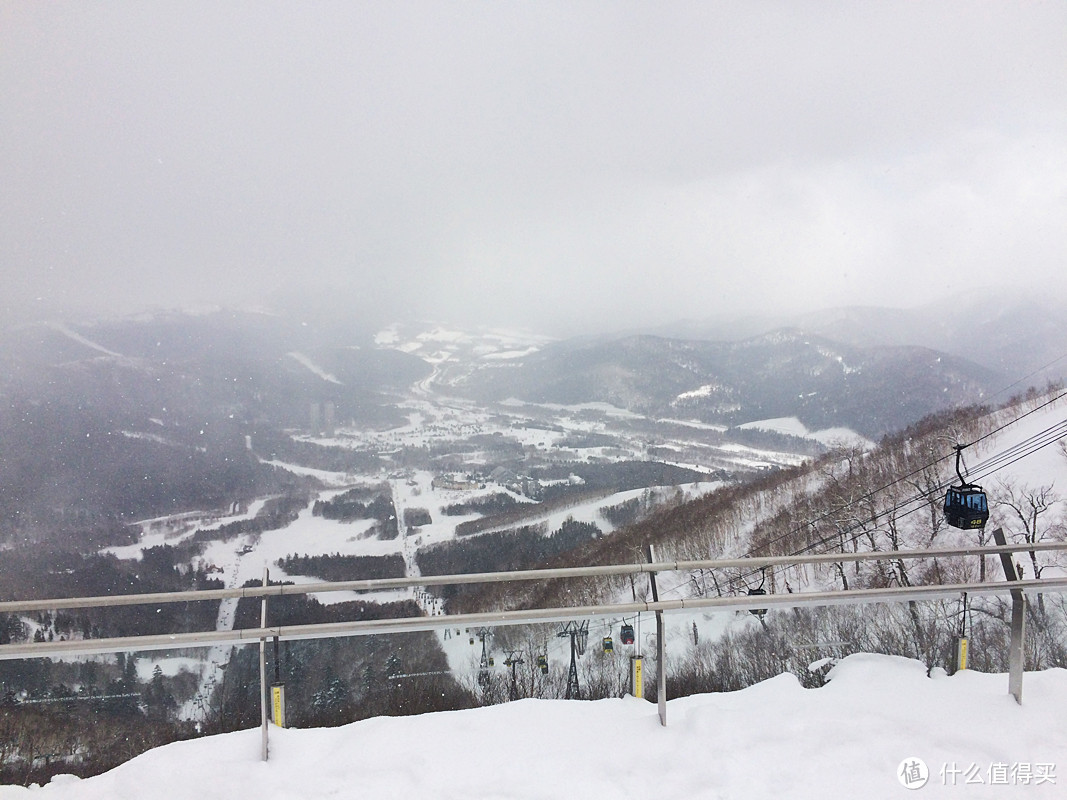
x: 522, y: 617
x: 379, y: 584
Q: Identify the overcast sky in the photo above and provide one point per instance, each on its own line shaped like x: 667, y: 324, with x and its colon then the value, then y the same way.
x: 547, y: 164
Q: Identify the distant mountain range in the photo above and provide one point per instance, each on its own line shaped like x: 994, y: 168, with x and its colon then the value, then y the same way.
x: 873, y: 390
x: 1018, y: 335
x: 254, y: 368
x: 872, y: 369
x: 177, y: 388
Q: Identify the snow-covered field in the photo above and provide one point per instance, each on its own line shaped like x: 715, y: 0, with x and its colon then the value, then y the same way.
x: 831, y: 437
x: 880, y: 727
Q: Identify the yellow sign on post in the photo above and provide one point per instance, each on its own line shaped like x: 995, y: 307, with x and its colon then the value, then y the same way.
x: 961, y: 654
x: 277, y: 703
x: 637, y: 678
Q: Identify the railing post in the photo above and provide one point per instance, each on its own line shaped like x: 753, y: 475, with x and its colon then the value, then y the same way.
x: 1017, y: 648
x: 661, y: 645
x: 263, y: 669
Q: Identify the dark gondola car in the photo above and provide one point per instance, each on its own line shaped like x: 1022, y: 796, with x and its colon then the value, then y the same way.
x: 627, y: 634
x: 965, y: 505
x: 759, y: 612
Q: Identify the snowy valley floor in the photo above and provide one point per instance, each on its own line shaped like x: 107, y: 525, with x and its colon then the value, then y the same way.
x: 861, y: 736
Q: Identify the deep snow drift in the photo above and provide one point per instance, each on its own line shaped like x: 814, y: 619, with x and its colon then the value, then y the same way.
x: 862, y: 735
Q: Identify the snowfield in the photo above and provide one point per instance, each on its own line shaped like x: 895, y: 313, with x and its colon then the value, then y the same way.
x: 861, y: 736
x: 831, y: 437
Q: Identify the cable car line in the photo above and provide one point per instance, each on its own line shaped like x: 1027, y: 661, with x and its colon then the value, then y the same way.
x: 1051, y: 434
x: 1015, y: 453
x: 993, y: 464
x: 997, y: 430
x: 1037, y: 371
x: 873, y: 492
x: 1053, y: 431
x: 1043, y: 436
x: 922, y: 499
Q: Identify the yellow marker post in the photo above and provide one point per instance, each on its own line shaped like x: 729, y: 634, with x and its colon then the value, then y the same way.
x: 637, y: 680
x: 961, y: 653
x: 277, y: 702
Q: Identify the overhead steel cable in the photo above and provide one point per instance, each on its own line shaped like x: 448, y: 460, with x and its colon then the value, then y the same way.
x: 873, y: 492
x: 1037, y: 371
x: 1010, y: 422
x: 992, y: 465
x: 993, y: 432
x: 1021, y: 456
x: 1032, y: 445
x: 921, y: 498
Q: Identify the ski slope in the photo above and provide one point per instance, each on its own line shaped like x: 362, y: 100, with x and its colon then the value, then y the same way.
x: 860, y: 736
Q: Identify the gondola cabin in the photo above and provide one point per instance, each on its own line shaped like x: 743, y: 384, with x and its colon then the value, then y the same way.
x: 627, y: 634
x: 966, y: 507
x: 609, y: 647
x: 542, y: 664
x: 759, y: 612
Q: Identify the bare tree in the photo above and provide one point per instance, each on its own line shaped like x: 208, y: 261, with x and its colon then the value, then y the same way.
x: 1029, y: 511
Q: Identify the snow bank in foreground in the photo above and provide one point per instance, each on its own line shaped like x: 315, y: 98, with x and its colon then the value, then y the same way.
x: 850, y: 739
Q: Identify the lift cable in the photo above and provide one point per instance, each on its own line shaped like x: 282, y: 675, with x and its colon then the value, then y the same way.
x: 1037, y: 371
x: 873, y: 492
x: 1010, y: 422
x: 992, y: 465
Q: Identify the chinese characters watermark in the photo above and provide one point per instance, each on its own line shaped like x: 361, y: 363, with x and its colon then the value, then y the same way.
x: 914, y: 774
x: 999, y: 773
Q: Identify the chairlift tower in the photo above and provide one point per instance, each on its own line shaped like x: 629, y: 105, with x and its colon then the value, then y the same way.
x: 484, y: 634
x: 512, y: 661
x: 578, y: 633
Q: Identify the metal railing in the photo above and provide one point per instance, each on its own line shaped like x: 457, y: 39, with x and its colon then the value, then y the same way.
x: 520, y: 617
x: 1019, y: 589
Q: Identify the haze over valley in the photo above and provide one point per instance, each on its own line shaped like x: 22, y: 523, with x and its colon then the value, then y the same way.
x: 313, y: 294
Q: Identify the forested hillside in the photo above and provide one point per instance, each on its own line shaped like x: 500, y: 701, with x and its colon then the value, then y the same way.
x: 885, y: 499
